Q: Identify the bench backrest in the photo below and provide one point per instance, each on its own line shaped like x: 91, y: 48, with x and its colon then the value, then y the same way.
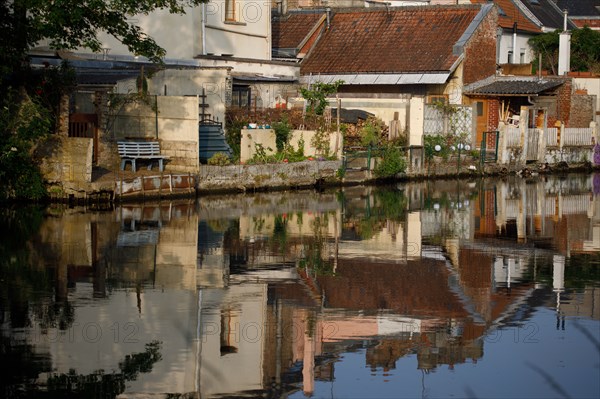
x: 138, y: 148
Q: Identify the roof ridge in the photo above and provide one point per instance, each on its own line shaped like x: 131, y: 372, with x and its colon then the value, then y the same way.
x: 361, y: 10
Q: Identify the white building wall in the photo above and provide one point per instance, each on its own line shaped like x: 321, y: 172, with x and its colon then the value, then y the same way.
x: 506, y: 45
x: 179, y: 35
x: 249, y: 36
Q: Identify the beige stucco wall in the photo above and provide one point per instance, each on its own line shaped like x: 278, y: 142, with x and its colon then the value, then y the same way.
x: 266, y: 138
x: 416, y: 120
x: 192, y: 82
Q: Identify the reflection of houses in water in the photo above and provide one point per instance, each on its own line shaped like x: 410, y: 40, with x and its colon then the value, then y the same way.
x: 561, y: 214
x: 156, y: 244
x: 269, y: 325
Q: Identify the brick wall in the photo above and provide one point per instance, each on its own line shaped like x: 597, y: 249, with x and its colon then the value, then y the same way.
x: 582, y: 110
x: 563, y: 106
x: 493, y: 113
x: 480, y: 50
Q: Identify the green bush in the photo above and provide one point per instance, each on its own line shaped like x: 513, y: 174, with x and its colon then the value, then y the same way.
x: 219, y: 159
x: 431, y: 141
x: 23, y: 122
x: 282, y: 131
x: 392, y: 163
x: 370, y: 133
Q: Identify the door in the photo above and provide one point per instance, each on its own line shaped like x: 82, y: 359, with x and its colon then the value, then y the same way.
x: 85, y: 125
x: 481, y: 119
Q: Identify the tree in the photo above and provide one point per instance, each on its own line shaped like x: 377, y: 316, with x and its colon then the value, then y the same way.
x: 70, y: 24
x: 316, y: 95
x: 29, y: 103
x: 585, y: 49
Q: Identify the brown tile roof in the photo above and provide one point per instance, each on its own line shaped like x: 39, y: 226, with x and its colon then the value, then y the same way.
x: 401, y: 40
x: 509, y: 13
x: 289, y: 32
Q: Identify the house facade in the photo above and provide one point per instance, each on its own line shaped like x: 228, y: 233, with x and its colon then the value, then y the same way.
x: 514, y: 31
x: 428, y: 54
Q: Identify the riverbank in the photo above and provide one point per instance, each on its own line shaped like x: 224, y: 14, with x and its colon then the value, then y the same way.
x: 124, y: 186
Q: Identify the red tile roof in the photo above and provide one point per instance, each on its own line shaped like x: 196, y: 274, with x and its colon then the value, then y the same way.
x: 292, y: 30
x: 509, y: 13
x: 401, y: 40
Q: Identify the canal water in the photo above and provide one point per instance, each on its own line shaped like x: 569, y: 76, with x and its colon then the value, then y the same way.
x: 471, y: 288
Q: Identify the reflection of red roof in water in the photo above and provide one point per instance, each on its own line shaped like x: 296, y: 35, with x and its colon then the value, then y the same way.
x: 417, y: 288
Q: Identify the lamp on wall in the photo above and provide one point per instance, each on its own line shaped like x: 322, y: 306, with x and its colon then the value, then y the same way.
x: 105, y: 51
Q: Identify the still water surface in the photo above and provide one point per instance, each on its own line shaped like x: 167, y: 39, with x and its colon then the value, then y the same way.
x: 483, y: 288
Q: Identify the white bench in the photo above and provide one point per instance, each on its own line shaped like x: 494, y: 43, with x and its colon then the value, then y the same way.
x: 146, y: 150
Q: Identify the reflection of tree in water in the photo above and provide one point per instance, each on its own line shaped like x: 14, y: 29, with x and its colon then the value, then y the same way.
x: 99, y: 384
x: 27, y: 291
x: 383, y: 205
x: 279, y: 237
x: 315, y: 259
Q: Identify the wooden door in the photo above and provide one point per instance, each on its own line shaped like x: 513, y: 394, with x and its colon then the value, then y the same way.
x: 481, y: 118
x: 85, y: 125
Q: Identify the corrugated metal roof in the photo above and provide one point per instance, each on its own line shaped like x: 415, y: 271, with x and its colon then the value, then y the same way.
x: 515, y: 87
x: 380, y: 79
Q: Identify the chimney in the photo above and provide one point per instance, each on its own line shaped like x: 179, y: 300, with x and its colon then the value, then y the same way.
x: 564, y: 49
x: 514, y: 56
x: 328, y: 11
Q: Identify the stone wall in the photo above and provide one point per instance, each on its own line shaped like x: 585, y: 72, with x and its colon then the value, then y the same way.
x: 175, y: 126
x: 66, y: 159
x: 266, y: 176
x: 570, y: 155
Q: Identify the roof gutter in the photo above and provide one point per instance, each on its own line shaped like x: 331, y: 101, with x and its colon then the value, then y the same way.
x: 457, y: 63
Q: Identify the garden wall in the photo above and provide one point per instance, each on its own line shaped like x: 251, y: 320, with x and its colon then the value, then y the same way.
x: 266, y: 138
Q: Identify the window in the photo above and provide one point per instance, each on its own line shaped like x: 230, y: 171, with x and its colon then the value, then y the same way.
x: 240, y: 96
x: 437, y: 98
x: 230, y: 11
x: 510, y: 57
x: 522, y: 57
x: 479, y: 108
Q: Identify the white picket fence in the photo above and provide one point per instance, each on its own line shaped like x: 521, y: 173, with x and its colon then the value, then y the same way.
x: 568, y: 136
x: 577, y: 136
x: 513, y: 136
x: 552, y: 137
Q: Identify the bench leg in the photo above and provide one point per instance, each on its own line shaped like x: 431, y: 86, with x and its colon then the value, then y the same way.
x: 150, y: 165
x: 123, y: 164
x: 160, y: 165
x: 133, y: 165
